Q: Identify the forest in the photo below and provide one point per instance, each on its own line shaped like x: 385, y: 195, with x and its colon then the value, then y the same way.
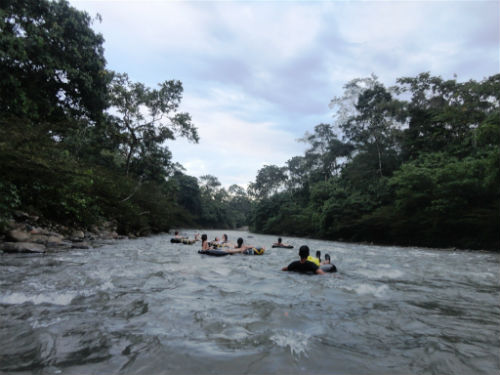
x: 413, y: 164
x: 416, y: 164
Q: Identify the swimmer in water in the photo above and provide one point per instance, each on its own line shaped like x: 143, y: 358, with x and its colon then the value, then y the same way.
x: 303, y: 265
x: 204, y: 243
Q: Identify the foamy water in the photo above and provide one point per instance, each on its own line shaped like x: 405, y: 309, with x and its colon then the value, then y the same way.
x: 148, y: 306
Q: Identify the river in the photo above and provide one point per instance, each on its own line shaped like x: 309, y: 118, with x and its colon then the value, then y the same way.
x: 147, y: 306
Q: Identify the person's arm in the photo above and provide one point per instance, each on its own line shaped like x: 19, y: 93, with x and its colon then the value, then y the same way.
x: 284, y: 269
x: 319, y: 271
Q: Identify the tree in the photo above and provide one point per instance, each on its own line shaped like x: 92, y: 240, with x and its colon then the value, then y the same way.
x: 372, y: 124
x: 325, y: 151
x: 443, y: 114
x: 51, y: 63
x: 269, y: 179
x: 146, y: 118
x: 187, y: 192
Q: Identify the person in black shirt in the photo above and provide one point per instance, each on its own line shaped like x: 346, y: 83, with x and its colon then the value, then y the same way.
x: 303, y: 265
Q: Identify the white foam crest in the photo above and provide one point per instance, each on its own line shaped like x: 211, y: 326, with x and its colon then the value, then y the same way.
x: 17, y: 298
x: 377, y: 291
x: 38, y: 324
x: 381, y: 273
x: 296, y: 341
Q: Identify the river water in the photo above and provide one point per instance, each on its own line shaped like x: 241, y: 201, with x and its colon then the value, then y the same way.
x: 148, y: 306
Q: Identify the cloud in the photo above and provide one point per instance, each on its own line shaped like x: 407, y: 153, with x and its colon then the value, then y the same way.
x: 257, y: 75
x: 231, y: 146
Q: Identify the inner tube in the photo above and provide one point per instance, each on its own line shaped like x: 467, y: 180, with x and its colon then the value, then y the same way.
x: 284, y: 246
x: 254, y: 251
x: 328, y: 267
x: 213, y: 252
x: 176, y: 240
x: 187, y: 241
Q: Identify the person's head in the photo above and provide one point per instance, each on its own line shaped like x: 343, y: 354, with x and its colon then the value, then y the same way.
x: 176, y: 233
x: 216, y: 239
x: 204, y: 237
x: 327, y: 258
x: 303, y: 252
x: 239, y: 242
x: 224, y: 237
x: 279, y: 240
x: 318, y: 254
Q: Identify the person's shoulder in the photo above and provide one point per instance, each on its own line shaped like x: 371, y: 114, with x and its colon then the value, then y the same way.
x: 294, y: 264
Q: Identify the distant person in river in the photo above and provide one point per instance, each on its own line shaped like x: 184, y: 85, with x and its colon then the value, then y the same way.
x: 317, y: 260
x: 280, y: 243
x: 303, y: 265
x: 225, y: 241
x: 197, y: 237
x: 177, y: 235
x: 240, y: 248
x: 327, y: 259
x: 204, y: 242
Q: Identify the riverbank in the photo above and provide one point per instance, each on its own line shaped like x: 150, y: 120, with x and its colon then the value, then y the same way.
x: 26, y: 233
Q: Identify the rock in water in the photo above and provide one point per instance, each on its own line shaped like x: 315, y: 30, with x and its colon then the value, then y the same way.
x: 22, y: 247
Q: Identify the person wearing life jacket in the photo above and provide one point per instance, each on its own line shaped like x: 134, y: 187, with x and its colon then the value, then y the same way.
x: 303, y: 265
x: 316, y: 260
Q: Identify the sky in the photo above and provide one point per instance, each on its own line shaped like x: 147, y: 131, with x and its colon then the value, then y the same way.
x: 257, y: 75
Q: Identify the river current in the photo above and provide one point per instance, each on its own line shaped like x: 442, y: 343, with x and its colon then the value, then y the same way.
x: 147, y: 306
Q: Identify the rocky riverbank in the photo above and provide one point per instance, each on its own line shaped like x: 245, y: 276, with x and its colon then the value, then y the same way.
x: 26, y: 234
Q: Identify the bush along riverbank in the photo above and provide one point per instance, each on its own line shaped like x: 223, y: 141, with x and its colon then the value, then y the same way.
x: 26, y: 234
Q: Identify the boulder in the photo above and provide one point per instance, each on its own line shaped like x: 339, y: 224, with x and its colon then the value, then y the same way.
x: 22, y: 247
x: 39, y: 238
x: 54, y: 241
x: 77, y: 236
x: 18, y: 235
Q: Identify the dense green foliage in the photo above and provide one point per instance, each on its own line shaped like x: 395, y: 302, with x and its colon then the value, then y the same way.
x: 418, y: 165
x: 80, y: 144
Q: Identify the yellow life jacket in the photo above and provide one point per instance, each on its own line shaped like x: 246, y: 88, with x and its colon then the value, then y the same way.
x: 313, y: 260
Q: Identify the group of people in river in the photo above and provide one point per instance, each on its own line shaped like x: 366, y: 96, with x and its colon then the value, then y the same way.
x: 310, y: 264
x: 229, y: 247
x: 306, y: 263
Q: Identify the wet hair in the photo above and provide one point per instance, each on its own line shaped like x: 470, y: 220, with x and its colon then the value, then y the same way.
x: 176, y: 233
x: 303, y: 252
x: 240, y: 242
x: 203, y: 237
x: 279, y: 240
x: 327, y: 257
x: 224, y: 237
x: 318, y: 254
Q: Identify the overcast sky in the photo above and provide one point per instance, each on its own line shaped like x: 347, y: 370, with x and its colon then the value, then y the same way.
x: 258, y: 74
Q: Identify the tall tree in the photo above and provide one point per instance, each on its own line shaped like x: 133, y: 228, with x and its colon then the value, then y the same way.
x: 146, y: 118
x: 270, y: 178
x: 325, y: 151
x: 51, y: 63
